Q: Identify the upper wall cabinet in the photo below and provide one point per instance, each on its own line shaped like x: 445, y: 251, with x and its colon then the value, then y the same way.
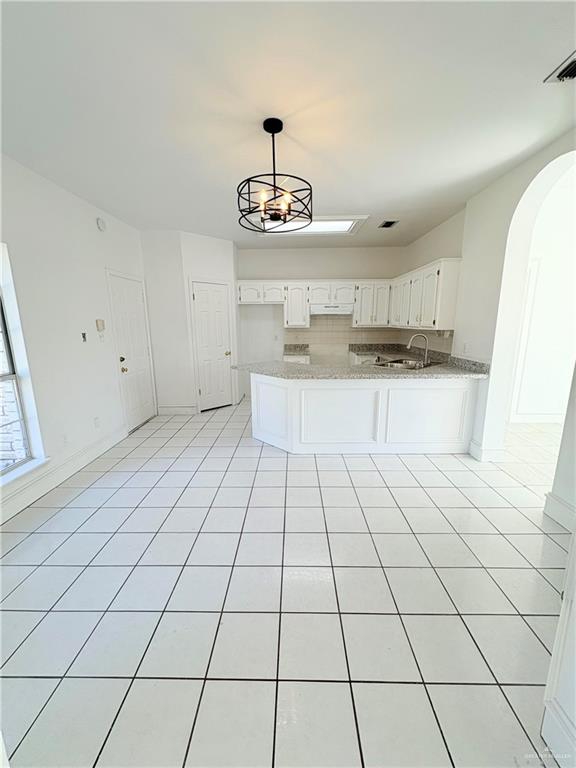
x: 296, y: 306
x: 371, y: 305
x: 433, y: 294
x: 256, y: 292
x: 331, y: 293
x: 319, y: 293
x: 400, y: 301
x: 423, y: 298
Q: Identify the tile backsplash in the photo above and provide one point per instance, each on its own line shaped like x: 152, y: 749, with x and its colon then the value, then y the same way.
x: 337, y: 330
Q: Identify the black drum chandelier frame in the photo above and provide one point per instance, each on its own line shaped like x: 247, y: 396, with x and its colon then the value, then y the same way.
x: 274, y: 202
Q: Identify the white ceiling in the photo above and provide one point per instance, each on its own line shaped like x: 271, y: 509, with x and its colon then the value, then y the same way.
x: 152, y: 111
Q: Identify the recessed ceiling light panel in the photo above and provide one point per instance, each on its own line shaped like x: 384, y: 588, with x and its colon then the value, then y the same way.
x: 327, y: 225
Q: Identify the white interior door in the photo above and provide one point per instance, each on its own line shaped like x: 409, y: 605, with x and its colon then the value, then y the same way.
x: 210, y: 316
x: 134, y: 363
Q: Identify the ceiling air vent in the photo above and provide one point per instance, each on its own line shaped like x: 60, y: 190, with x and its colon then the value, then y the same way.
x: 566, y: 71
x: 387, y: 224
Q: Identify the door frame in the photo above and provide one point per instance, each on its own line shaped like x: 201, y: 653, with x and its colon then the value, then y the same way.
x: 192, y: 342
x: 110, y: 273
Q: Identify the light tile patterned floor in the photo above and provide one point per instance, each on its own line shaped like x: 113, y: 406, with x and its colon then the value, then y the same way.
x: 196, y: 598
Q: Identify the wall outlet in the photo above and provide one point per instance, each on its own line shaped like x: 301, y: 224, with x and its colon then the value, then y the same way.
x: 97, y: 422
x: 464, y: 347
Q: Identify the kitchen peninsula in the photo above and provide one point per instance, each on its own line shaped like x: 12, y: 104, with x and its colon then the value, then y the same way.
x: 364, y: 407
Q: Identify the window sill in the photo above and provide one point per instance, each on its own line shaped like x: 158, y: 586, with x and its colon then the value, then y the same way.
x: 21, y: 470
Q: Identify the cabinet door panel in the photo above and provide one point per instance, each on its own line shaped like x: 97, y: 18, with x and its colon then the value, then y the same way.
x: 341, y: 293
x: 273, y: 293
x: 319, y: 293
x: 249, y: 293
x: 429, y: 292
x: 364, y: 304
x: 404, y: 302
x: 415, y: 300
x: 296, y: 307
x: 381, y: 303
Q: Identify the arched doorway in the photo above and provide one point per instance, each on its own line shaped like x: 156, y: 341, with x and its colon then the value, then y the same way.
x: 514, y: 293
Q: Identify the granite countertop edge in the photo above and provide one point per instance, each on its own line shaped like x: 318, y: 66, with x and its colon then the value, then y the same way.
x: 283, y: 370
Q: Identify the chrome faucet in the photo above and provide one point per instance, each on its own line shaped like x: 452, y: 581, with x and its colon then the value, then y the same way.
x: 409, y: 345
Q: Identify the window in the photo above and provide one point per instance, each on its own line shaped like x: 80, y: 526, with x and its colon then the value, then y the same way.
x: 14, y: 445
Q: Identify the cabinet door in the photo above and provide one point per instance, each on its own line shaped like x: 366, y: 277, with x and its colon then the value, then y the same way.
x: 395, y: 302
x: 273, y: 293
x: 381, y: 303
x: 415, y: 300
x: 341, y: 293
x: 250, y: 293
x: 296, y: 306
x: 319, y: 293
x: 404, y: 302
x: 363, y: 304
x: 429, y: 293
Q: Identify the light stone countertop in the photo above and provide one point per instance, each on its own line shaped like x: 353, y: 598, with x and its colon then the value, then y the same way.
x: 337, y: 370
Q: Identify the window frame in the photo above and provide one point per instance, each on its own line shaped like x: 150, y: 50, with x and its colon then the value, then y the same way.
x: 12, y: 375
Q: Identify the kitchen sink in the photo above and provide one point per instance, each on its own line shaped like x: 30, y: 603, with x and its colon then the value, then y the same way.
x: 406, y: 364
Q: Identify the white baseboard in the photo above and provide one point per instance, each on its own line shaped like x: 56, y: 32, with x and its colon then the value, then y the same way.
x: 25, y: 490
x: 177, y: 410
x: 475, y: 450
x: 561, y: 511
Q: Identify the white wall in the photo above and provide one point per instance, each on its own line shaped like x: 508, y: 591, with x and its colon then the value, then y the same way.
x: 547, y: 348
x: 442, y: 242
x: 58, y: 259
x: 312, y: 263
x: 561, y: 501
x: 167, y: 309
x: 172, y: 261
x: 486, y: 226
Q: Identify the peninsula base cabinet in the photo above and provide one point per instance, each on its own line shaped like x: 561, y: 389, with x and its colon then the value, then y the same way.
x: 364, y: 415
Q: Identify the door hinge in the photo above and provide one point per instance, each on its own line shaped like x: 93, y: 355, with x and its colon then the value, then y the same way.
x: 437, y: 271
x: 199, y: 391
x: 193, y: 297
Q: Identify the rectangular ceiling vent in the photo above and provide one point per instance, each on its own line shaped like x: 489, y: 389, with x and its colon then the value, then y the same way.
x: 566, y: 71
x: 387, y: 224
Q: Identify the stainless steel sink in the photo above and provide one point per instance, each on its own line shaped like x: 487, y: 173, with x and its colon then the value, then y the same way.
x: 405, y: 364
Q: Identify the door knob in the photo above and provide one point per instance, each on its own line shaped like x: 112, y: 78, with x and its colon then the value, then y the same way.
x: 227, y: 353
x: 124, y: 370
x: 122, y: 359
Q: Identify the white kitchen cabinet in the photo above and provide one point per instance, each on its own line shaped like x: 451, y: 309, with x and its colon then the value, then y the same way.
x: 429, y: 291
x: 400, y: 302
x: 381, y: 311
x: 415, y: 300
x: 320, y: 293
x: 342, y: 293
x: 249, y: 292
x: 363, y: 304
x: 296, y: 306
x: 273, y: 293
x: 331, y: 293
x: 372, y: 303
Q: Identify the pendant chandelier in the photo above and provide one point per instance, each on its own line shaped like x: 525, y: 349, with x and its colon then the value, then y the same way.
x: 274, y: 202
